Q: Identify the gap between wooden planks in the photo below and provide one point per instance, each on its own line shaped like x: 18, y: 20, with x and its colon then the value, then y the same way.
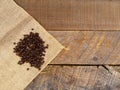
x: 75, y: 14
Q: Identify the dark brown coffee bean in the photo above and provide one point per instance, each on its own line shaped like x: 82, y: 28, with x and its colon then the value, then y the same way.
x: 32, y: 29
x: 14, y: 43
x: 27, y: 68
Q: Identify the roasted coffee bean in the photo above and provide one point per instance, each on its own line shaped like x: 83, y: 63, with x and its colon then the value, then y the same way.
x: 14, y: 43
x: 31, y: 49
x: 32, y: 29
x: 27, y: 68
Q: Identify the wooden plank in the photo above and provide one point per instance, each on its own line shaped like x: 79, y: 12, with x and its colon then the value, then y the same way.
x: 75, y: 78
x: 75, y: 14
x: 88, y: 47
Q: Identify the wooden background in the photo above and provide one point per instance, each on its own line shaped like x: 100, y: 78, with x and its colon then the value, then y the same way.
x: 89, y: 29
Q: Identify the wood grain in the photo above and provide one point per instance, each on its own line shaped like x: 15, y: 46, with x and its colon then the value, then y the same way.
x: 75, y: 14
x: 88, y: 47
x: 75, y: 78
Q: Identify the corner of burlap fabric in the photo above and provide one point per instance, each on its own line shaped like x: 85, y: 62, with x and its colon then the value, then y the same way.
x: 14, y: 23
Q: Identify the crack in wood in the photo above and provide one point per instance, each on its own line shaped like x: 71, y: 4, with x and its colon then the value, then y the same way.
x: 97, y: 65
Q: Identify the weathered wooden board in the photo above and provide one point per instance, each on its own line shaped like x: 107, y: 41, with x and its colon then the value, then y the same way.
x: 76, y: 78
x: 14, y: 23
x: 88, y: 47
x: 75, y: 14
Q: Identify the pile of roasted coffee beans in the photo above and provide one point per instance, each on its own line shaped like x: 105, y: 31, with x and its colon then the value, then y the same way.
x: 31, y: 49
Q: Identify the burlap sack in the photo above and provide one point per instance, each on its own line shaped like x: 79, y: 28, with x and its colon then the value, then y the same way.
x: 14, y: 23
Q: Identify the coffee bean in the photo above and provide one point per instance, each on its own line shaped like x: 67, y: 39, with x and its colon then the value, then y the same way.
x: 27, y: 68
x: 32, y: 29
